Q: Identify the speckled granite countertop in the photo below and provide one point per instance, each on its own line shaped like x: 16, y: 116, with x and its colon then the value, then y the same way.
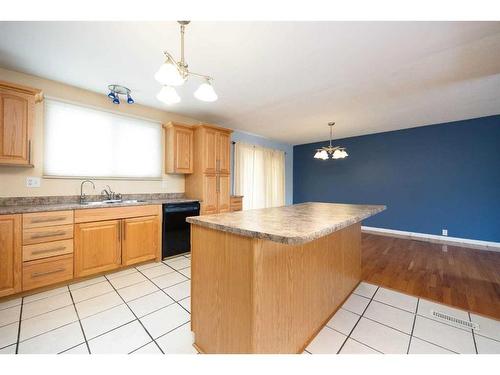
x: 41, y: 204
x: 293, y: 225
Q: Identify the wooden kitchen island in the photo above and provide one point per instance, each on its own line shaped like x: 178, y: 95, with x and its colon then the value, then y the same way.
x: 268, y: 280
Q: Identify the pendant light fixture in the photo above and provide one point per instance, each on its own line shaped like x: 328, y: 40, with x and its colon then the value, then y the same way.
x: 172, y: 74
x: 335, y: 152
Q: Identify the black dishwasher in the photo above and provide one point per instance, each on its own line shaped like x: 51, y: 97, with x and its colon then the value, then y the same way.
x: 176, y: 231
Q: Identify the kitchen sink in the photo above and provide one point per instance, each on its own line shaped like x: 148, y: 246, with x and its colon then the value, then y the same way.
x: 111, y: 201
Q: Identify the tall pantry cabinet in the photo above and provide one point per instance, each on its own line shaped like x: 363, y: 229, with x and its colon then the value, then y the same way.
x: 210, y: 181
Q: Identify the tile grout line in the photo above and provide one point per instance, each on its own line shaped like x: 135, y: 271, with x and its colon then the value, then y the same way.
x: 360, y: 316
x: 133, y: 313
x: 413, y: 326
x: 19, y: 326
x: 152, y: 280
x: 79, y: 322
x: 473, y: 335
x: 173, y: 299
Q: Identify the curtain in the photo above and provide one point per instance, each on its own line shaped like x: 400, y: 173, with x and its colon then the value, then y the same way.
x: 259, y: 175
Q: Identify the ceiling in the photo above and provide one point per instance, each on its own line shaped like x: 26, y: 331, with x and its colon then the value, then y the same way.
x: 282, y: 80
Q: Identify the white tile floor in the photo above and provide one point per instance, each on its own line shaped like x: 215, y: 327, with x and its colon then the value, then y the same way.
x: 145, y: 310
x: 378, y: 320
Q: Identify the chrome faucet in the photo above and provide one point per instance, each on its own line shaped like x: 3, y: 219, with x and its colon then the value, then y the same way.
x: 83, y: 197
x: 110, y: 194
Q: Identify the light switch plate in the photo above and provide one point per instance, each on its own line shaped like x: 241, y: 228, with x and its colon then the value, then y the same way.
x: 33, y: 182
x: 445, y: 232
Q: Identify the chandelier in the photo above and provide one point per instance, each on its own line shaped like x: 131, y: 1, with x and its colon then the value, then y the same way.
x: 335, y: 152
x: 173, y: 73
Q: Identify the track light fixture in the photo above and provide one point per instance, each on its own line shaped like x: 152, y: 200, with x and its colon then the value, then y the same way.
x: 116, y: 90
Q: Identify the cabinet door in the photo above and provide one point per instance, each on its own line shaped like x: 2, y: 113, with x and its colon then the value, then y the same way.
x: 224, y: 195
x: 16, y: 112
x: 97, y: 247
x: 183, y: 150
x: 210, y: 151
x: 140, y: 240
x: 223, y: 151
x: 10, y: 254
x: 209, y: 204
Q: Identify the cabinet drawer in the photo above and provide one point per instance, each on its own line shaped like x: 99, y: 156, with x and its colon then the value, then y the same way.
x: 44, y: 219
x: 47, y: 249
x: 47, y: 234
x: 42, y: 272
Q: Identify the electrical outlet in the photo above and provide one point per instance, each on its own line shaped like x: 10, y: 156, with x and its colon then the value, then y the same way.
x: 33, y: 182
x: 445, y: 232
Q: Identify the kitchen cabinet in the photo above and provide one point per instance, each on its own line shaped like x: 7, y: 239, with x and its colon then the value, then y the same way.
x: 10, y: 254
x: 236, y: 203
x: 224, y: 193
x: 110, y: 238
x: 140, y: 239
x: 210, y: 194
x: 97, y: 247
x: 17, y: 116
x: 210, y: 181
x: 178, y: 148
x: 223, y: 151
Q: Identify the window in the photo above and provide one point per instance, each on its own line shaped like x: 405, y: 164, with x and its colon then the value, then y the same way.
x: 259, y: 175
x: 86, y: 142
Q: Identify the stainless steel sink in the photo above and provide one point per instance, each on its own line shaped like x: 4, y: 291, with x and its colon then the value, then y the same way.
x: 111, y: 201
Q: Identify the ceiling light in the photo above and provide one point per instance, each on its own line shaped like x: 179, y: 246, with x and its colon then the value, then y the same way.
x: 173, y: 73
x: 116, y: 90
x: 169, y: 74
x: 206, y: 92
x: 168, y: 95
x: 335, y: 152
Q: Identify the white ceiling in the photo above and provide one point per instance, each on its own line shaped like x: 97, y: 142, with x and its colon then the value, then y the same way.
x: 282, y: 80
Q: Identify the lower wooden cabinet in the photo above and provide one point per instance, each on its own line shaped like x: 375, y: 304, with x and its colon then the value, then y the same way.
x: 210, y: 187
x: 97, y: 247
x: 47, y: 271
x: 10, y: 254
x: 140, y: 239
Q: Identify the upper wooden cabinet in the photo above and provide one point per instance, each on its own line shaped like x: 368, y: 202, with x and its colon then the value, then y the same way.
x: 178, y: 148
x: 10, y: 254
x: 223, y: 150
x: 210, y: 181
x: 17, y: 115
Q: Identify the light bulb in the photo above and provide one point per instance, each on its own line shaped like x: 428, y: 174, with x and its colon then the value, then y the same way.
x: 169, y: 74
x: 324, y: 154
x: 344, y: 154
x: 337, y: 154
x: 317, y: 155
x: 168, y: 95
x: 206, y: 92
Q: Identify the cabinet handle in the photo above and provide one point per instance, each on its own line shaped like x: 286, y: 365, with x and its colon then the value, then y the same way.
x: 36, y: 252
x: 40, y: 274
x: 48, y: 234
x: 29, y: 151
x: 124, y: 232
x: 48, y: 220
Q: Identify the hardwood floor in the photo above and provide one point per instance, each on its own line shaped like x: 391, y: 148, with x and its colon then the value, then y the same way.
x: 465, y: 278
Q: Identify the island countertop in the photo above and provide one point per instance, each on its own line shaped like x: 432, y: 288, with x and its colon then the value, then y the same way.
x: 295, y: 224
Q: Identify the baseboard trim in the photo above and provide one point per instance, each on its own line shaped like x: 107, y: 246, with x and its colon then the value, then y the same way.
x: 455, y: 241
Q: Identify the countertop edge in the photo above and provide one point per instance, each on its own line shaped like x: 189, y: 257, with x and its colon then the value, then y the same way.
x: 288, y: 240
x: 12, y: 210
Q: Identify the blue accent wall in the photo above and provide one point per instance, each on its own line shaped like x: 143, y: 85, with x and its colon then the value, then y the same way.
x: 239, y: 136
x: 430, y: 178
